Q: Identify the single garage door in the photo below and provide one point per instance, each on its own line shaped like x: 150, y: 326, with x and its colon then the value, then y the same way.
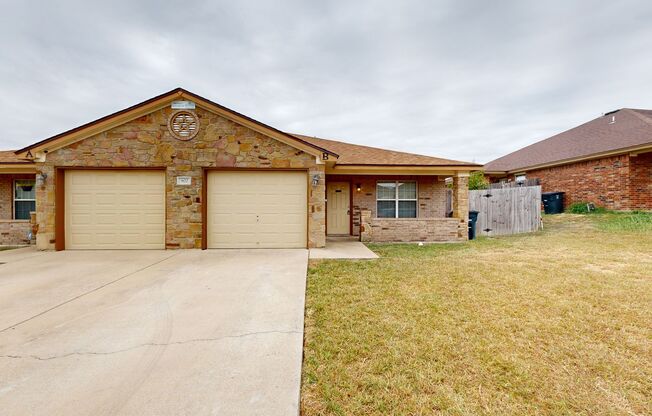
x: 253, y: 209
x: 107, y: 209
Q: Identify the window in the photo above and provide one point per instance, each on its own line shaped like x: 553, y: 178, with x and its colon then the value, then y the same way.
x: 24, y: 198
x: 396, y: 199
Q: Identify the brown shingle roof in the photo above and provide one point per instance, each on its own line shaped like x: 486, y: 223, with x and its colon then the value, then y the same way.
x: 353, y: 154
x: 9, y: 157
x: 631, y: 128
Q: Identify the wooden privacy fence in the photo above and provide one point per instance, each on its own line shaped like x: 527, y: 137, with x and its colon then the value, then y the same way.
x: 507, y: 211
x: 514, y: 184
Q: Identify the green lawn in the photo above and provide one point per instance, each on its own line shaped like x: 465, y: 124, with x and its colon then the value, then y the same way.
x: 553, y: 323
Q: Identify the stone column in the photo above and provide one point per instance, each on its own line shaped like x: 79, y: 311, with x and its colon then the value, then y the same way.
x: 365, y: 225
x: 461, y: 203
x: 317, y: 207
x: 45, y: 201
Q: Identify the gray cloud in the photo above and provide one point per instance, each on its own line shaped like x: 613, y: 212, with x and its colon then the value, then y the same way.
x: 466, y: 80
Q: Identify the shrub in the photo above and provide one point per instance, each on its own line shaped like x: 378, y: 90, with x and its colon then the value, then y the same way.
x: 477, y: 180
x: 585, y: 208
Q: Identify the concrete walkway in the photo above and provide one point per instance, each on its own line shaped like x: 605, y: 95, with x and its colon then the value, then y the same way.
x: 183, y: 332
x: 342, y: 249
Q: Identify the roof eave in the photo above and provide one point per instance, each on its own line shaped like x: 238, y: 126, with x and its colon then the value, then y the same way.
x: 633, y: 149
x: 339, y: 169
x: 495, y: 172
x: 411, y: 165
x: 16, y: 168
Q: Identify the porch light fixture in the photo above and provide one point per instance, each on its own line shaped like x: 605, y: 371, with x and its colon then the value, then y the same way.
x: 315, y: 180
x: 358, y: 187
x: 40, y: 178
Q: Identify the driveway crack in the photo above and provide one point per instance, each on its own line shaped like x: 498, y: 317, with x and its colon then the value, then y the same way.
x: 146, y: 344
x: 87, y: 293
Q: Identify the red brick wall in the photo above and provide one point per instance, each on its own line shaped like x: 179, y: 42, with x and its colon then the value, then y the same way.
x: 431, y: 191
x: 617, y: 182
x: 641, y: 181
x: 605, y: 182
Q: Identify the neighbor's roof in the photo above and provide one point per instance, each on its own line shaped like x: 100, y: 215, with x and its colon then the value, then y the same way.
x: 621, y: 129
x: 354, y: 154
x: 10, y: 157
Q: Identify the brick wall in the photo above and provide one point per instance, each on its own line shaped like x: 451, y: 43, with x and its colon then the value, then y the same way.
x: 605, y: 182
x: 7, y: 194
x: 431, y: 193
x: 383, y: 230
x: 146, y: 142
x: 640, y: 182
x: 620, y: 182
x: 14, y: 232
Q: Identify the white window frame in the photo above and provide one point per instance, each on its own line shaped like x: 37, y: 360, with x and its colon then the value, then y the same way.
x: 13, y: 190
x: 396, y: 199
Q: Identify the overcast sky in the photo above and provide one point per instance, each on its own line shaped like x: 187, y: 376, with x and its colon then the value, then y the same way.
x: 468, y: 80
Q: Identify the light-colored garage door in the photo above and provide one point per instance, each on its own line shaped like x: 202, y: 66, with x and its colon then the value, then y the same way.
x: 257, y: 209
x: 108, y: 209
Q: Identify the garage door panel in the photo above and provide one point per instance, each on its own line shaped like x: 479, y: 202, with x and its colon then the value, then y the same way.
x: 115, y: 209
x: 257, y: 209
x: 106, y: 219
x: 154, y: 219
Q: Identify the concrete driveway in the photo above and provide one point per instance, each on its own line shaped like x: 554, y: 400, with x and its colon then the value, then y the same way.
x: 183, y: 332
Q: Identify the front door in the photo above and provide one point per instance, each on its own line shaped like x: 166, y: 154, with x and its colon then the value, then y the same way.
x: 337, y: 208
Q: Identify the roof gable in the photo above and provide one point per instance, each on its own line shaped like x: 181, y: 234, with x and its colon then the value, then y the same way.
x: 623, y: 129
x: 161, y: 101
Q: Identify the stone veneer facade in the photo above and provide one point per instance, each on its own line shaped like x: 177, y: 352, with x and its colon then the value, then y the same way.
x: 146, y: 142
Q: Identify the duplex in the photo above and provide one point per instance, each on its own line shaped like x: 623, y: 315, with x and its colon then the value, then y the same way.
x: 181, y: 171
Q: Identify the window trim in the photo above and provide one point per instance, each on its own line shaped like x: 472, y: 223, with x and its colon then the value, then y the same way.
x: 397, y: 200
x: 14, y: 199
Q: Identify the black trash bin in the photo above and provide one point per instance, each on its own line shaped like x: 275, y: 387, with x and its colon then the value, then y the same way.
x: 473, y: 219
x: 553, y: 202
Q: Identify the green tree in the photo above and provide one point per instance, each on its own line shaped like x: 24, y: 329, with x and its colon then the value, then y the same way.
x: 477, y: 180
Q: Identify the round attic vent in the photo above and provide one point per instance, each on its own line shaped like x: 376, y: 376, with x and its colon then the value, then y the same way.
x: 184, y: 124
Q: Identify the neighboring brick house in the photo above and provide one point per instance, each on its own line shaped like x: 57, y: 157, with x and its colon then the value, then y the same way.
x: 607, y: 161
x: 180, y: 171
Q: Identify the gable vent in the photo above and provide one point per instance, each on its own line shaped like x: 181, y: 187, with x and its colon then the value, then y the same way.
x: 184, y: 125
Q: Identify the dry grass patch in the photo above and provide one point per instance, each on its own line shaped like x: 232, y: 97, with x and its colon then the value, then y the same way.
x: 558, y: 322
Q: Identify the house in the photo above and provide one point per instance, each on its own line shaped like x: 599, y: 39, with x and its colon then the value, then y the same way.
x: 181, y: 171
x: 607, y: 161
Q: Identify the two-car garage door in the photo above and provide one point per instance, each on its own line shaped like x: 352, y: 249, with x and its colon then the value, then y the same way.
x: 114, y: 209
